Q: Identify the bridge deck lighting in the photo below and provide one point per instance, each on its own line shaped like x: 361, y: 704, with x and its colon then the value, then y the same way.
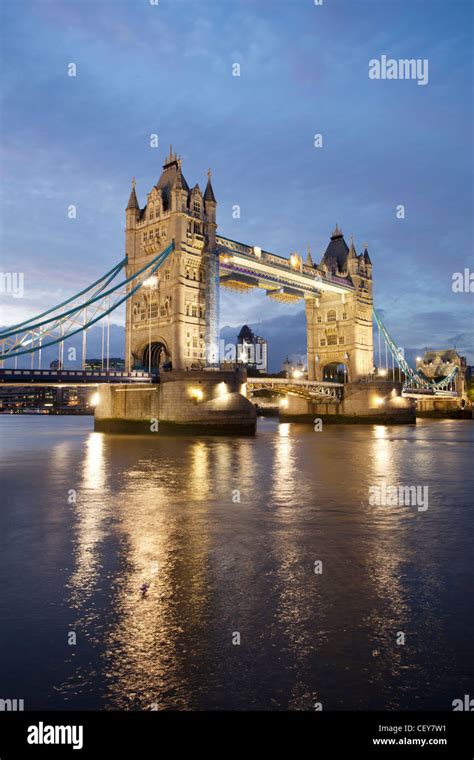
x: 257, y: 251
x: 196, y: 394
x: 151, y: 282
x: 222, y: 388
x: 297, y: 374
x: 295, y: 261
x: 284, y: 403
x: 379, y: 400
x: 382, y: 372
x: 95, y: 398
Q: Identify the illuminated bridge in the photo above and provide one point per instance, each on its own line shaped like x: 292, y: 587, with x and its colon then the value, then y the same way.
x: 169, y: 282
x: 241, y: 268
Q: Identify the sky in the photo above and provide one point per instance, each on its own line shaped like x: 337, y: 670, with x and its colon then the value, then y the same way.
x: 167, y: 69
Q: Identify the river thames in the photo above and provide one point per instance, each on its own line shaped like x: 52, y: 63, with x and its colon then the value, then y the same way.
x: 268, y: 541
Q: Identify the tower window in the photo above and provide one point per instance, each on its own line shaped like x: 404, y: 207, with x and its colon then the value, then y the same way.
x: 332, y: 340
x: 341, y: 339
x: 344, y: 315
x: 331, y: 316
x: 197, y: 206
x: 319, y: 319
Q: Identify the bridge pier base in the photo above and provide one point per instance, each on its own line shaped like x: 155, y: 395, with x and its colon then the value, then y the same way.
x: 378, y: 402
x: 191, y: 402
x: 442, y: 408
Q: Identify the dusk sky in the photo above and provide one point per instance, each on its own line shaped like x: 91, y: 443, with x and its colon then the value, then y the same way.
x: 167, y: 69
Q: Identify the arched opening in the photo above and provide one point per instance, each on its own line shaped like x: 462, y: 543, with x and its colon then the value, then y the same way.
x: 336, y: 372
x: 159, y: 355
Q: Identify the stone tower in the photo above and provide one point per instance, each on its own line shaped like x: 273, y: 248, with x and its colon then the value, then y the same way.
x: 175, y: 301
x: 339, y: 328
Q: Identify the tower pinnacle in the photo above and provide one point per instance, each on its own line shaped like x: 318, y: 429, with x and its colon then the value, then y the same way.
x: 209, y: 192
x: 133, y: 200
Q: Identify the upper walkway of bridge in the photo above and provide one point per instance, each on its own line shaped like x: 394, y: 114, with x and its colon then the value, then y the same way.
x: 243, y: 267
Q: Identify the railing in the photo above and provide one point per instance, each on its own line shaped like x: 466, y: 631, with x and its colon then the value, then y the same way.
x: 227, y: 246
x: 309, y: 389
x: 73, y: 377
x: 290, y: 381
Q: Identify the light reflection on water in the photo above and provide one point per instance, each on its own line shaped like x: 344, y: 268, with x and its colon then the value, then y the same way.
x: 226, y: 533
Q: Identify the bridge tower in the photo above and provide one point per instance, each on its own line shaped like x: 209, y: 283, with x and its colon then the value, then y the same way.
x: 339, y: 328
x: 179, y: 307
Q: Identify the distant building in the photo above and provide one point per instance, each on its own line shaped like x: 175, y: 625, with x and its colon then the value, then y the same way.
x: 30, y: 399
x: 252, y: 350
x: 296, y: 369
x: 286, y: 367
x: 116, y: 363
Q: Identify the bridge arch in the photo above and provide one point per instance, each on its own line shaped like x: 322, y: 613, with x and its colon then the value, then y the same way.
x: 159, y: 354
x: 336, y: 372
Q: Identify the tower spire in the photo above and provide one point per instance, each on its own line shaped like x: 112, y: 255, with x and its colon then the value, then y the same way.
x: 133, y: 200
x: 352, y: 251
x: 209, y: 192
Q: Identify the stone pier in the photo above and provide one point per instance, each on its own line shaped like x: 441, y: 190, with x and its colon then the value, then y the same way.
x: 378, y: 402
x: 200, y: 401
x: 443, y: 408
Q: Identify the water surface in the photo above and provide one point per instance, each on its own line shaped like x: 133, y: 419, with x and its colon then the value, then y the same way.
x: 226, y: 532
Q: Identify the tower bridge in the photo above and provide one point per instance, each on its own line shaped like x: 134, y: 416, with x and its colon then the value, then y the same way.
x: 169, y: 281
x: 183, y: 308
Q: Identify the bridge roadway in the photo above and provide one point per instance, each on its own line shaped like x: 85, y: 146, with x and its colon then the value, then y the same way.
x: 71, y: 377
x: 309, y: 389
x: 314, y: 389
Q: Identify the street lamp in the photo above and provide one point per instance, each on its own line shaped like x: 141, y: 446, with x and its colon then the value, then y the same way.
x: 150, y: 283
